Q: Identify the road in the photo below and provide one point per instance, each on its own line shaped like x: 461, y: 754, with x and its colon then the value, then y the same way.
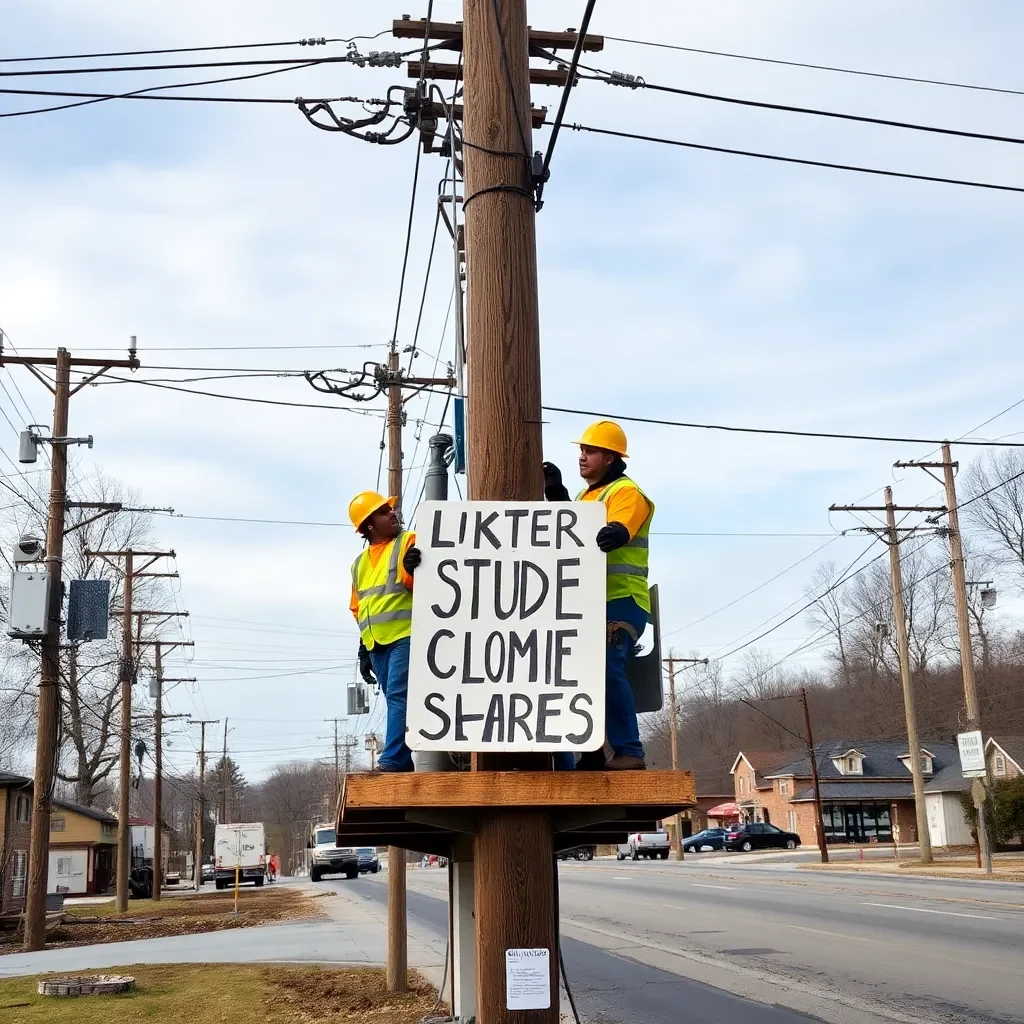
x: 751, y: 941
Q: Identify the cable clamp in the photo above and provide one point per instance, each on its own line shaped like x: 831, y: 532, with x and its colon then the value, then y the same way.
x: 621, y: 78
x: 384, y: 59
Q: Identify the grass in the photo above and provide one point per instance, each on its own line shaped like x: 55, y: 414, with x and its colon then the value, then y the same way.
x: 175, y: 915
x: 228, y: 994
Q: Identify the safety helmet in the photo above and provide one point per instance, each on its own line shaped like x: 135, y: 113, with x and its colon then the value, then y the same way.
x: 605, y: 434
x: 363, y: 505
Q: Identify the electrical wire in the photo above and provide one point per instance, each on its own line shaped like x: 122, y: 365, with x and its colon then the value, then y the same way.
x: 820, y: 67
x: 777, y: 158
x: 291, y: 61
x: 508, y: 80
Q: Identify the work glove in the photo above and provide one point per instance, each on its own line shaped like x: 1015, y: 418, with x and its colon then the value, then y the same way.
x: 412, y: 559
x: 612, y: 536
x: 365, y: 665
x: 554, y: 489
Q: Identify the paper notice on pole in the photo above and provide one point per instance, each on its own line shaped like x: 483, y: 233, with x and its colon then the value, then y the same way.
x: 527, y: 979
x: 508, y: 627
x: 972, y: 754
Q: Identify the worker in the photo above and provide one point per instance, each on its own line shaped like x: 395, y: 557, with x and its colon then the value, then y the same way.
x: 382, y: 606
x: 624, y: 539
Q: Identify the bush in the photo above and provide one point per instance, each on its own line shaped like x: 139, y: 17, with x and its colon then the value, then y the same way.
x: 1004, y: 812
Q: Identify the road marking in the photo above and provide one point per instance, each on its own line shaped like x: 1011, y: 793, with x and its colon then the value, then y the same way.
x: 698, y: 885
x: 925, y: 910
x: 621, y: 878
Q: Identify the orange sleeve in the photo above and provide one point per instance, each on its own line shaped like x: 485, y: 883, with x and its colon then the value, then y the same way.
x: 354, y: 604
x: 408, y: 542
x: 628, y: 506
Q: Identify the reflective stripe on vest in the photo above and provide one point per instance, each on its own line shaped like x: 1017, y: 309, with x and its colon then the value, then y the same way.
x: 627, y: 566
x: 385, y: 603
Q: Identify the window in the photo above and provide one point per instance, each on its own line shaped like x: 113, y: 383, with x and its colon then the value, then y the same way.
x: 783, y: 786
x: 852, y: 765
x: 107, y: 828
x: 23, y: 808
x: 742, y: 780
x: 20, y: 872
x: 999, y: 765
x: 770, y: 830
x: 791, y: 821
x: 926, y: 764
x: 64, y: 866
x: 57, y: 824
x: 765, y: 814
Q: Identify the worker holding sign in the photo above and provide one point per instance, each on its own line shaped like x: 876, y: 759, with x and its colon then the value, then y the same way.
x: 382, y: 606
x: 624, y: 540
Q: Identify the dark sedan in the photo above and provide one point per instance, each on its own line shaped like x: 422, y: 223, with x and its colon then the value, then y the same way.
x: 709, y: 839
x: 368, y: 860
x: 759, y: 836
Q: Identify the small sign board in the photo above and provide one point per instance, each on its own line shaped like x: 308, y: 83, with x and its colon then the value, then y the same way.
x: 508, y: 627
x: 972, y: 754
x: 527, y: 979
x: 88, y: 610
x: 978, y: 793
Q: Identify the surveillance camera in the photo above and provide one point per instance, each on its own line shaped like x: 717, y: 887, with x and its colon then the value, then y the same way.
x: 29, y: 549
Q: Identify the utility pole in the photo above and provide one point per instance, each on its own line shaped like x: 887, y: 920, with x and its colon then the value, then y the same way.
x: 963, y: 624
x: 891, y: 535
x: 127, y: 673
x: 198, y: 867
x: 48, y: 710
x: 224, y: 777
x: 673, y: 731
x: 812, y: 754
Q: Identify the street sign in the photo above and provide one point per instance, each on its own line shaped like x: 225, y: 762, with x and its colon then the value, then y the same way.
x: 508, y: 627
x: 972, y: 754
x: 978, y: 793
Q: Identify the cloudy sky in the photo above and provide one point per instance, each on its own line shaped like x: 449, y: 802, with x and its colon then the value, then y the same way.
x: 674, y: 284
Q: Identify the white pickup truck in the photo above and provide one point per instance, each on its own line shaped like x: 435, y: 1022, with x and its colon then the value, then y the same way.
x: 330, y: 859
x: 645, y: 844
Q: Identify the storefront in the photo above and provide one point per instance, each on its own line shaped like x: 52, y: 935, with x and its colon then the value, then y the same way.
x: 857, y: 822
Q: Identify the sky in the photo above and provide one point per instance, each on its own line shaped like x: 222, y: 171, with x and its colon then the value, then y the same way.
x: 674, y: 284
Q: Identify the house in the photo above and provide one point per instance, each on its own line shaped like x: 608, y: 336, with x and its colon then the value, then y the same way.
x: 866, y: 791
x: 83, y: 849
x: 1004, y: 757
x: 15, y: 831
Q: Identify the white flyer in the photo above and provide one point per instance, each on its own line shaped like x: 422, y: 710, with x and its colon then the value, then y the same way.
x: 527, y: 979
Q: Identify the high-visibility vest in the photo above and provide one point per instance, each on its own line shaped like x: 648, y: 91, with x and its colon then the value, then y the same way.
x: 627, y: 566
x: 385, y: 602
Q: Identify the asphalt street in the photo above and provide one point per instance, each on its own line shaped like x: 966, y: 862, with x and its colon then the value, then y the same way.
x: 662, y: 942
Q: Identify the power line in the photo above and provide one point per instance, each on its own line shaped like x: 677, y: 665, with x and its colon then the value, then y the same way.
x: 820, y: 67
x: 188, y: 49
x: 216, y: 348
x: 775, y: 157
x: 834, y: 435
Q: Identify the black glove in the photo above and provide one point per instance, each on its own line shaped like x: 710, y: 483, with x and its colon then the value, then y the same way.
x: 412, y: 559
x: 365, y: 665
x: 554, y: 489
x: 612, y: 536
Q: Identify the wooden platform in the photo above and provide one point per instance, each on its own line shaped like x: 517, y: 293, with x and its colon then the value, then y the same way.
x: 427, y: 812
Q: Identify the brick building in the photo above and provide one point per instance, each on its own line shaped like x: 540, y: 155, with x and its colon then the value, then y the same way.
x: 15, y: 830
x: 866, y: 790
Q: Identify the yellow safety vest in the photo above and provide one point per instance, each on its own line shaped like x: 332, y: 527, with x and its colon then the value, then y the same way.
x: 385, y: 602
x: 627, y: 566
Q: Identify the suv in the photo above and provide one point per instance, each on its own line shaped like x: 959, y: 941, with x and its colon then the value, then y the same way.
x: 758, y: 836
x: 328, y: 858
x: 368, y: 860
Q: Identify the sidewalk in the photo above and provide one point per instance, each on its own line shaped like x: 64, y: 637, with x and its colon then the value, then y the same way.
x: 962, y: 869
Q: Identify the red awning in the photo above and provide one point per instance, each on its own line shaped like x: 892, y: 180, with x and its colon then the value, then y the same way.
x: 727, y: 810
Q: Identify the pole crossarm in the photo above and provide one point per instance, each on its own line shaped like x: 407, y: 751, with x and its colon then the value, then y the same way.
x: 413, y: 28
x: 882, y: 508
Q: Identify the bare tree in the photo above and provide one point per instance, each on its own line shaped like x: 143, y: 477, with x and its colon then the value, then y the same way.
x: 992, y: 497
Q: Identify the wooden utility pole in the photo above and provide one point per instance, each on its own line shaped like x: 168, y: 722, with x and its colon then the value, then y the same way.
x: 200, y: 816
x: 673, y: 732
x: 48, y: 710
x: 224, y: 777
x: 812, y: 754
x: 963, y: 622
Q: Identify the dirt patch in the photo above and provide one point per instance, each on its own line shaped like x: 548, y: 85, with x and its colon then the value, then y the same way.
x: 230, y: 994
x: 175, y: 915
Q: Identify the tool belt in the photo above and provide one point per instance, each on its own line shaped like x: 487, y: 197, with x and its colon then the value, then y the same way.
x: 613, y: 629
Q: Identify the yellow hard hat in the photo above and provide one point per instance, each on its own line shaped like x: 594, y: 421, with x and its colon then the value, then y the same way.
x: 605, y: 434
x: 363, y: 505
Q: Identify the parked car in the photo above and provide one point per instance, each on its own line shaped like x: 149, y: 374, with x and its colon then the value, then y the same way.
x: 209, y: 873
x: 368, y: 859
x: 578, y: 853
x: 759, y: 836
x: 709, y: 839
x: 645, y: 844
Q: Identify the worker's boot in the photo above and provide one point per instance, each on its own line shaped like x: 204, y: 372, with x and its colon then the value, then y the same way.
x: 625, y: 763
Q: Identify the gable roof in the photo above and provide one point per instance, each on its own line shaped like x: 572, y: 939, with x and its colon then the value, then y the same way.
x: 1011, y: 746
x: 762, y: 763
x: 881, y: 761
x: 88, y: 812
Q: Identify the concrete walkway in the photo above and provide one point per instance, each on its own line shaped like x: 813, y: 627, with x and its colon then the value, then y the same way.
x: 355, y: 932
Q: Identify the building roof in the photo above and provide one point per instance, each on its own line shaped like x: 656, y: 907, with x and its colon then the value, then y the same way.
x: 1012, y: 747
x: 763, y: 762
x: 859, y: 789
x: 881, y: 762
x: 10, y: 779
x: 88, y: 812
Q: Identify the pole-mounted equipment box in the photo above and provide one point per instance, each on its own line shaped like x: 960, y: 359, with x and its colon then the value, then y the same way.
x: 29, y: 604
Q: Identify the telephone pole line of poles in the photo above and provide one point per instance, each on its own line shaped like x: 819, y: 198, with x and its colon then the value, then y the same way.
x: 812, y: 754
x: 963, y: 623
x: 158, y: 775
x: 198, y: 863
x: 891, y: 535
x: 672, y: 661
x: 224, y: 777
x: 48, y: 710
x: 127, y: 673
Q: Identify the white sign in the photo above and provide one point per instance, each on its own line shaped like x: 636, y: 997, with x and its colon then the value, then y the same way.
x: 508, y: 627
x: 527, y: 979
x: 972, y: 754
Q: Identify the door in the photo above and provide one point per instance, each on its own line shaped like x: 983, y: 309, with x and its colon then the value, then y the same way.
x: 103, y: 868
x: 773, y: 836
x: 854, y: 832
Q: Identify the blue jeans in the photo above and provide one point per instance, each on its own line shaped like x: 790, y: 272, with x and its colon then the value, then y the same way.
x: 621, y: 726
x: 391, y: 667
